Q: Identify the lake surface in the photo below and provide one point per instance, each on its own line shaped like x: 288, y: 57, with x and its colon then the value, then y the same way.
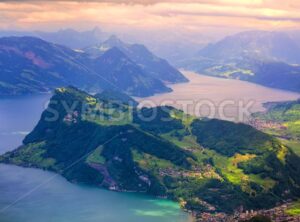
x: 32, y: 195
x: 229, y: 99
x: 49, y: 197
x: 18, y: 116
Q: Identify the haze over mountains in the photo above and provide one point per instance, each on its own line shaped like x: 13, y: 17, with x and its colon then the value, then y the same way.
x: 295, y: 35
x: 268, y: 58
x: 31, y: 65
x: 67, y: 37
x: 171, y: 46
x: 272, y: 56
x: 260, y: 45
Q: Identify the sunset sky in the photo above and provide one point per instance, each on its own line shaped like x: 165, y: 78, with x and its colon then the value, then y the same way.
x: 194, y: 16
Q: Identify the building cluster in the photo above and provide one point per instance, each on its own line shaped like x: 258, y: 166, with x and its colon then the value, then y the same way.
x: 276, y: 214
x: 209, y: 217
x: 71, y: 117
x: 197, y: 172
x: 264, y: 124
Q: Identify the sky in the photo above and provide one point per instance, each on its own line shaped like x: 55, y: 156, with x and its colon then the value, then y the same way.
x: 192, y: 16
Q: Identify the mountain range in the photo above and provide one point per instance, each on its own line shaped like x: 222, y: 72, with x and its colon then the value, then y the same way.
x: 67, y: 37
x: 74, y: 39
x: 262, y: 45
x: 172, y: 46
x: 268, y: 58
x: 207, y: 165
x: 159, y: 68
x: 31, y: 65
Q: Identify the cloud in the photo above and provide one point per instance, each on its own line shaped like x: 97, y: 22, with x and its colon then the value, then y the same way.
x: 249, y: 3
x: 189, y: 15
x: 229, y: 11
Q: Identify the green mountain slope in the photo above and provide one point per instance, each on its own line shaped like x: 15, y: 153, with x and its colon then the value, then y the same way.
x: 282, y: 119
x: 206, y: 165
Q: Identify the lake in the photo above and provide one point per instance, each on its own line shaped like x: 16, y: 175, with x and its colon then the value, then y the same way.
x: 18, y: 116
x: 35, y: 195
x: 32, y: 195
x: 228, y: 99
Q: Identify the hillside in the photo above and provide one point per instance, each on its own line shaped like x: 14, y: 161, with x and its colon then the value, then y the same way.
x: 267, y: 58
x: 155, y: 67
x: 281, y: 119
x: 117, y: 97
x: 206, y: 165
x: 30, y: 65
x: 120, y: 70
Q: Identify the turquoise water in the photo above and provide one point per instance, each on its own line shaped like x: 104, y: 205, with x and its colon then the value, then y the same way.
x: 38, y: 196
x: 47, y: 197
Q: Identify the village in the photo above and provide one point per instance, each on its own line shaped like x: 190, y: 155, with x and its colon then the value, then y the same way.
x: 264, y: 124
x: 276, y: 214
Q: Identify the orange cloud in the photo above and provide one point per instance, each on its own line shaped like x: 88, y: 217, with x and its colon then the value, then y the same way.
x: 151, y: 14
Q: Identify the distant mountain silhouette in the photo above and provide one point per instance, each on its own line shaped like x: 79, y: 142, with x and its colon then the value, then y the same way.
x: 267, y: 58
x: 31, y: 65
x: 155, y: 67
x: 276, y: 46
